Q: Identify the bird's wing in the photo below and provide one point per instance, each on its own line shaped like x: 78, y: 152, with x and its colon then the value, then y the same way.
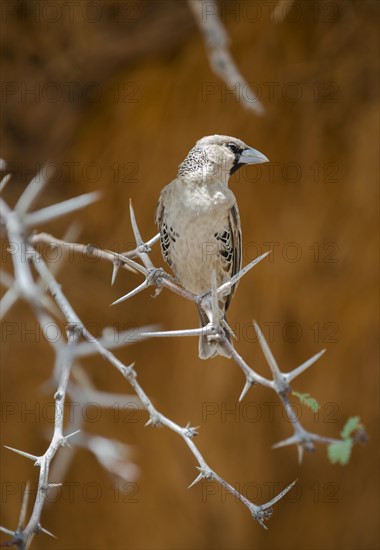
x: 229, y: 240
x: 164, y: 233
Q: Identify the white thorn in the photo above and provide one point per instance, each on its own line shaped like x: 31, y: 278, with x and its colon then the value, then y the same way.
x: 24, y: 506
x: 132, y: 293
x: 4, y: 182
x: 196, y: 480
x: 279, y: 496
x: 247, y: 386
x: 301, y: 368
x: 135, y: 228
x: 60, y: 209
x: 68, y: 437
x: 7, y: 531
x: 32, y: 192
x: 286, y: 442
x: 23, y: 453
x: 267, y: 351
x: 115, y: 270
x: 41, y: 529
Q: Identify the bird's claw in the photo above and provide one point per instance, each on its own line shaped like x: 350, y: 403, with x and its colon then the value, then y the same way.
x: 215, y: 333
x: 204, y: 300
x: 155, y: 276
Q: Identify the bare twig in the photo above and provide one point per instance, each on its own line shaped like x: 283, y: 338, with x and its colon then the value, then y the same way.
x: 221, y: 61
x: 155, y: 417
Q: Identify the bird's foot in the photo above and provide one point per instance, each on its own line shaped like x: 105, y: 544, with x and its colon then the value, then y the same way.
x: 144, y: 249
x: 215, y: 333
x: 155, y: 277
x: 204, y: 301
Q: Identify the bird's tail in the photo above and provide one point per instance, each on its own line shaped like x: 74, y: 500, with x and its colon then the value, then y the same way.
x: 207, y: 348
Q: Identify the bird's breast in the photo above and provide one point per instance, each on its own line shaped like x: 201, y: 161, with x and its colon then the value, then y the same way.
x: 194, y: 218
x: 207, y: 198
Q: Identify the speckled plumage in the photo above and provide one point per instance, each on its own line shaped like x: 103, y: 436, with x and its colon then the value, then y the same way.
x: 199, y: 221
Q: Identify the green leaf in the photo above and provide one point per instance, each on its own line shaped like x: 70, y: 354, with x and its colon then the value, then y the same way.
x: 306, y: 399
x: 352, y: 425
x: 340, y: 452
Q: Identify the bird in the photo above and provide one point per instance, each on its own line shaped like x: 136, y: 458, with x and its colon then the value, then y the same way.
x: 199, y: 224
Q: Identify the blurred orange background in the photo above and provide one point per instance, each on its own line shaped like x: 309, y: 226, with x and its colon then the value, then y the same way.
x: 113, y: 95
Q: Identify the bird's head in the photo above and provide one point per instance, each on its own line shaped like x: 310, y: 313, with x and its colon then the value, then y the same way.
x: 215, y: 158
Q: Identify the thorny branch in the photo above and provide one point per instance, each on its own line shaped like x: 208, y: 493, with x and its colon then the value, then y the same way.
x: 113, y: 455
x: 221, y: 61
x: 80, y: 342
x: 280, y: 382
x: 64, y: 359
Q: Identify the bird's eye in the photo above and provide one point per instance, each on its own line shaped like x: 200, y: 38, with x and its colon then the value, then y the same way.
x: 233, y: 147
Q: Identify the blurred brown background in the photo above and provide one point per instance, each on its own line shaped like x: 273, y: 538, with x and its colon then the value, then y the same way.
x: 113, y: 95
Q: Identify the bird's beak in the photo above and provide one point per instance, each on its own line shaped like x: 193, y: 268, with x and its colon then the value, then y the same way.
x: 252, y: 156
